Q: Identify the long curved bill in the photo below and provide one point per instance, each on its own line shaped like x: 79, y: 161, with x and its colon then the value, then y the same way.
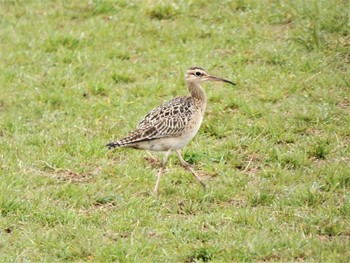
x: 220, y: 79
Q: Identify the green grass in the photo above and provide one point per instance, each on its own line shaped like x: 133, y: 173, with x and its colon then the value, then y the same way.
x: 274, y: 151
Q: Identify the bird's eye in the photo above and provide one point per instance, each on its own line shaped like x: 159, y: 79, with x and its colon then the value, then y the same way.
x: 198, y: 73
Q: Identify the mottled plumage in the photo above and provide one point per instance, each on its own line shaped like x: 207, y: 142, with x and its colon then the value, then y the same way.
x: 167, y: 120
x: 170, y: 126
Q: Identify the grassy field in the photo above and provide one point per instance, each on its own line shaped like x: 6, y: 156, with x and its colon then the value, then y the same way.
x: 274, y: 151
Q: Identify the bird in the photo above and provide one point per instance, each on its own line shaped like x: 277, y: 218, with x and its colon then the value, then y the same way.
x: 170, y: 126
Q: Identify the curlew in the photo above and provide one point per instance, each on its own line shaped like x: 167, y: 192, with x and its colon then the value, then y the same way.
x: 170, y: 126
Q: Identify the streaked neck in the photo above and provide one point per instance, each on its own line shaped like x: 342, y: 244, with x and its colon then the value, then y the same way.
x: 197, y: 92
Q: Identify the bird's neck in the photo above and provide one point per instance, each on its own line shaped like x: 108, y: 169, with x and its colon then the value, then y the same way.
x: 197, y: 92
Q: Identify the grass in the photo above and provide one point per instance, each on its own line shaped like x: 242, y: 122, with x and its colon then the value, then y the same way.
x: 274, y: 151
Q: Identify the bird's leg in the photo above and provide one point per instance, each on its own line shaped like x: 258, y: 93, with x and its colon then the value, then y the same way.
x: 187, y: 166
x: 161, y: 170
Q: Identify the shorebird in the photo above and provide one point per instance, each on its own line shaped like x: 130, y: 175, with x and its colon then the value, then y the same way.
x: 170, y: 126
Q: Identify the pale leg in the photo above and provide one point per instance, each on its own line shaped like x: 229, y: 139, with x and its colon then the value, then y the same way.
x: 161, y: 170
x: 187, y: 166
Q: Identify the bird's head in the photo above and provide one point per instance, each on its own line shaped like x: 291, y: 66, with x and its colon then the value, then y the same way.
x: 199, y: 75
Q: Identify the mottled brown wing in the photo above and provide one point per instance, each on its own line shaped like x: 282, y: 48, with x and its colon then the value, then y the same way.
x: 168, y: 119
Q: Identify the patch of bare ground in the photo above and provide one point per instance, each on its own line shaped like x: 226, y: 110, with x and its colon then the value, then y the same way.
x: 251, y: 165
x: 236, y: 201
x: 71, y: 176
x: 67, y: 175
x: 345, y: 103
x: 97, y: 207
x: 152, y: 161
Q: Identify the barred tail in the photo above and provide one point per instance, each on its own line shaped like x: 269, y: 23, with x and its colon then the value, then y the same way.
x: 112, y: 145
x: 128, y: 141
